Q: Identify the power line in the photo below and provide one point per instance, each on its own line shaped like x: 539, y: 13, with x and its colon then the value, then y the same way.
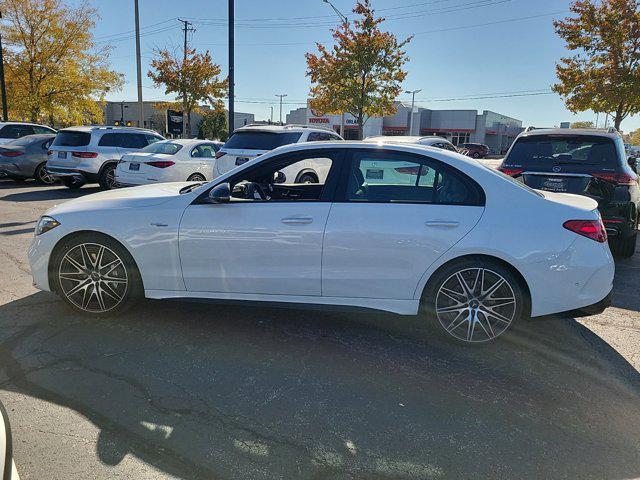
x: 129, y: 32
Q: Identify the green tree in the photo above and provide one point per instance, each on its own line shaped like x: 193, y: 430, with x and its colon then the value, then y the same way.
x: 633, y: 138
x: 604, y: 73
x: 55, y: 72
x: 193, y: 79
x: 214, y: 125
x: 583, y: 124
x: 362, y: 73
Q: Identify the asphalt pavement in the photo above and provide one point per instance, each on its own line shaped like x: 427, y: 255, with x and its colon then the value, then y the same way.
x: 205, y: 391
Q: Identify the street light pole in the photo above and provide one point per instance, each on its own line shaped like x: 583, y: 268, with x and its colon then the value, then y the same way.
x: 413, y: 104
x: 281, y: 97
x: 231, y: 68
x: 139, y: 67
x: 3, y: 87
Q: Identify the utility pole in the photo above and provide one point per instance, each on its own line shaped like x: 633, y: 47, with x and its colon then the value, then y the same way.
x: 3, y: 87
x: 344, y: 20
x: 139, y: 67
x: 281, y: 97
x: 413, y: 104
x: 187, y: 27
x: 271, y: 107
x: 231, y: 68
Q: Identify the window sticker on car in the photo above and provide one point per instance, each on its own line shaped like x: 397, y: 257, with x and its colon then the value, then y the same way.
x: 375, y: 174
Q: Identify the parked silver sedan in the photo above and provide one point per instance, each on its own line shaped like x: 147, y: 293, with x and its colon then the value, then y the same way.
x: 26, y: 158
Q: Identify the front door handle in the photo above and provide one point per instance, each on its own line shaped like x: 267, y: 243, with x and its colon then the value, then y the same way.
x: 442, y: 224
x: 296, y: 220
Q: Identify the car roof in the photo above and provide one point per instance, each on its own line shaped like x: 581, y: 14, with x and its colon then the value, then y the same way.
x: 598, y: 132
x: 283, y: 128
x: 2, y: 124
x: 186, y: 141
x: 405, y: 139
x: 104, y: 129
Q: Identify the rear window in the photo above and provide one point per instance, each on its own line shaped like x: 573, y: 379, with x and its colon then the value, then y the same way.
x: 260, y: 140
x: 71, y: 138
x: 164, y: 148
x: 544, y: 151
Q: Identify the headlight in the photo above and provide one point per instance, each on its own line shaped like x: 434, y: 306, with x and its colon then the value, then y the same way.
x: 45, y: 224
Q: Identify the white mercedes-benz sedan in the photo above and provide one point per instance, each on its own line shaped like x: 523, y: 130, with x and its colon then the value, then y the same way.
x: 401, y: 228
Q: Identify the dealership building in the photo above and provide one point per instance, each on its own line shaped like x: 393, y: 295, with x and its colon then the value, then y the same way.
x: 495, y: 130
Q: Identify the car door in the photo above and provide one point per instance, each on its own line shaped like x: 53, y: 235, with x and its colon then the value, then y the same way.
x: 395, y: 214
x: 260, y: 246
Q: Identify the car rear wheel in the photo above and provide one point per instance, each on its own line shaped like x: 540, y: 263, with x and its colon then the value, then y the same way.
x: 624, y: 247
x: 42, y: 176
x: 196, y: 177
x: 107, y: 179
x: 475, y: 301
x: 95, y: 275
x: 72, y: 183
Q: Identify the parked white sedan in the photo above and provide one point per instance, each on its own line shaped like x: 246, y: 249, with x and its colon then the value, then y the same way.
x: 168, y: 161
x: 465, y: 246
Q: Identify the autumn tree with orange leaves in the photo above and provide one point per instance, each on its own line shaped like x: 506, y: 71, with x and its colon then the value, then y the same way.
x: 194, y: 79
x: 362, y: 73
x: 604, y: 74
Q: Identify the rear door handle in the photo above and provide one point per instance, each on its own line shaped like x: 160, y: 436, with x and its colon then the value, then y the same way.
x: 297, y: 220
x: 442, y: 224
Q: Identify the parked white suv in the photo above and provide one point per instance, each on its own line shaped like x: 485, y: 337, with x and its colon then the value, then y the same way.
x: 10, y: 131
x: 80, y: 155
x: 251, y: 141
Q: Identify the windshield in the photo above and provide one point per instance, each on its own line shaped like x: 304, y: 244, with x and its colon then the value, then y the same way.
x: 71, y: 138
x: 540, y: 151
x: 165, y: 148
x: 260, y: 140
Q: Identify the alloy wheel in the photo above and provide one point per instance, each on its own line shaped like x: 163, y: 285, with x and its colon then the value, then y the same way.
x: 110, y: 177
x: 476, y: 305
x: 93, y: 277
x: 44, y: 177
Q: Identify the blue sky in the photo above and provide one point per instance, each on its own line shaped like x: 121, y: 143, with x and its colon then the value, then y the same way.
x: 462, y: 49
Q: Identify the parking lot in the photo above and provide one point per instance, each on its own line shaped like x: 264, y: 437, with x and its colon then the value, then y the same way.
x: 203, y: 391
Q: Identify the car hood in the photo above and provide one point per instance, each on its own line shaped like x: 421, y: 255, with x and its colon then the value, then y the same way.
x: 134, y: 197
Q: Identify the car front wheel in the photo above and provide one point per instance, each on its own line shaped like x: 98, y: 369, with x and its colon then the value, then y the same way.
x: 475, y: 301
x: 95, y: 275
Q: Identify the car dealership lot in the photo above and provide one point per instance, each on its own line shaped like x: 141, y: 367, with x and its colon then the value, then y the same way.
x: 180, y: 390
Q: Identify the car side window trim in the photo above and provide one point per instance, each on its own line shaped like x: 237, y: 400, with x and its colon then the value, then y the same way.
x: 337, y: 156
x: 341, y: 192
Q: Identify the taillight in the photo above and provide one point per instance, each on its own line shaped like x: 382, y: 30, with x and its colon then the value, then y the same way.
x: 617, y: 178
x: 512, y: 172
x: 10, y: 153
x: 160, y: 163
x: 220, y: 154
x: 85, y: 154
x: 593, y: 229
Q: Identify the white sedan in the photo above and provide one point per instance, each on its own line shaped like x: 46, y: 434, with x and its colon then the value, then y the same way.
x: 466, y: 247
x: 168, y: 161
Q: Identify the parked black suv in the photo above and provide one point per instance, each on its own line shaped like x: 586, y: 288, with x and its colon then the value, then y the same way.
x: 587, y: 162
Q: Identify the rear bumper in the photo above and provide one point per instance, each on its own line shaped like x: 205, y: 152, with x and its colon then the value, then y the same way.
x: 62, y: 173
x: 593, y: 309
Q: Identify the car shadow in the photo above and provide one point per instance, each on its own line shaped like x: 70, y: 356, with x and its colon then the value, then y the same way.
x: 47, y: 193
x: 627, y: 282
x: 225, y: 391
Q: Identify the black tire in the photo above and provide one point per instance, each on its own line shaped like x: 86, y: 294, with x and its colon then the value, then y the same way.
x: 196, y: 177
x: 103, y: 292
x: 624, y: 247
x: 452, y: 314
x: 42, y: 176
x: 107, y: 178
x: 308, y: 178
x: 72, y: 183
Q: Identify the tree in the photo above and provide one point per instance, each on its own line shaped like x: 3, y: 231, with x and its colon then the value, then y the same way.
x: 214, y: 125
x: 583, y: 124
x: 362, y: 73
x: 193, y: 79
x: 633, y: 138
x: 54, y: 71
x: 604, y: 74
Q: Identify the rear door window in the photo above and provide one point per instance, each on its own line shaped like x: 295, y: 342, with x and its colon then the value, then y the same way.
x: 39, y: 129
x: 247, y: 140
x: 574, y: 152
x: 133, y: 140
x: 71, y: 138
x: 109, y: 140
x: 16, y: 131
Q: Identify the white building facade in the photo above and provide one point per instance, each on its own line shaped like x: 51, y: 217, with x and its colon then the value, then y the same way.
x: 495, y: 130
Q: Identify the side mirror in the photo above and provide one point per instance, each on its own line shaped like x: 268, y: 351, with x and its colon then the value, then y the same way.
x: 279, y: 177
x: 633, y: 163
x: 220, y: 193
